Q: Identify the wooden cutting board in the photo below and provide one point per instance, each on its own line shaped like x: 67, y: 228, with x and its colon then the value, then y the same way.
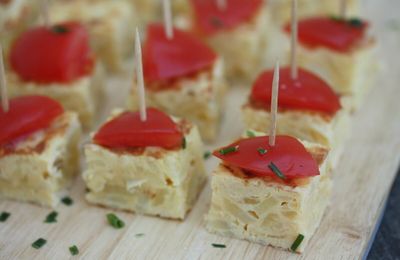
x: 362, y: 182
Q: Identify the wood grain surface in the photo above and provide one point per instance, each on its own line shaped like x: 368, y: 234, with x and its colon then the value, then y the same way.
x: 362, y: 182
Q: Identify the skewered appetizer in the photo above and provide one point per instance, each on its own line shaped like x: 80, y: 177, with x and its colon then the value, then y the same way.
x: 272, y: 195
x: 341, y: 52
x: 308, y: 110
x: 184, y: 77
x: 15, y: 16
x: 238, y: 32
x: 151, y: 167
x: 280, y: 9
x: 109, y: 24
x: 39, y: 153
x: 57, y: 62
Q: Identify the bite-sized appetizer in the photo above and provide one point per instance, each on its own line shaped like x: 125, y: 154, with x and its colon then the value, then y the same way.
x: 308, y: 109
x: 340, y: 51
x: 15, y: 16
x: 109, y: 24
x: 39, y: 150
x: 281, y: 9
x: 184, y: 77
x: 272, y: 195
x: 238, y: 32
x: 150, y: 167
x: 57, y: 62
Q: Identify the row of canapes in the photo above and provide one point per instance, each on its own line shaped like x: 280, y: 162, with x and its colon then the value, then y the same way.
x: 154, y: 166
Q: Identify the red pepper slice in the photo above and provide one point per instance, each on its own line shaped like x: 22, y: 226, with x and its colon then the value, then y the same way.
x: 26, y: 115
x: 288, y: 155
x: 335, y: 34
x: 183, y: 55
x: 127, y: 130
x: 60, y: 54
x: 307, y: 92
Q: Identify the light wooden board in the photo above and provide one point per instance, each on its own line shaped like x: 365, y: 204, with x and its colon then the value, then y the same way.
x: 362, y: 182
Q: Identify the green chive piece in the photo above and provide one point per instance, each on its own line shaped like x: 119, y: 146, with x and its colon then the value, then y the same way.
x: 262, y: 151
x: 216, y: 22
x: 139, y: 235
x: 67, y: 201
x: 207, y: 155
x: 115, y: 221
x: 184, y: 143
x: 297, y: 242
x: 276, y: 170
x: 74, y: 250
x: 59, y: 29
x: 336, y: 18
x: 4, y: 216
x: 355, y: 22
x: 228, y: 150
x: 250, y: 133
x: 52, y: 217
x: 219, y: 245
x: 39, y: 243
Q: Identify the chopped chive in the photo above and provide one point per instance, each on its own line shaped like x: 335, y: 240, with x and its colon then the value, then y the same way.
x: 59, y: 29
x: 184, y: 143
x: 51, y: 218
x: 216, y: 22
x: 115, y: 221
x: 228, y: 150
x: 207, y: 155
x: 297, y: 242
x: 336, y: 18
x: 218, y: 245
x: 139, y: 235
x: 39, y: 243
x: 262, y: 151
x: 276, y: 170
x: 4, y: 216
x: 67, y: 201
x: 355, y: 22
x: 74, y: 250
x: 250, y: 133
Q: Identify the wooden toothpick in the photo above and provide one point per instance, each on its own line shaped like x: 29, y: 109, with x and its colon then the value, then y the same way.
x: 44, y: 9
x: 139, y: 78
x: 343, y: 9
x: 221, y: 4
x: 293, y: 58
x: 3, y: 83
x: 168, y: 19
x: 274, y: 105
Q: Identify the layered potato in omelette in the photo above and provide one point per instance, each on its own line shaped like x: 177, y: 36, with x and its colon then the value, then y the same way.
x: 154, y: 167
x: 270, y: 195
x: 39, y: 150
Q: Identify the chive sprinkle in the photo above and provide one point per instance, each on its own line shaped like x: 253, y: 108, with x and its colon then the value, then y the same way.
x: 39, y: 243
x: 262, y: 151
x: 250, y: 133
x: 184, y: 143
x: 139, y: 235
x: 218, y: 245
x: 4, y: 216
x: 355, y: 22
x: 74, y: 250
x: 115, y: 221
x: 228, y: 150
x: 216, y: 22
x: 297, y: 242
x: 59, y: 29
x: 207, y: 155
x: 67, y: 201
x: 276, y: 170
x: 51, y: 218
